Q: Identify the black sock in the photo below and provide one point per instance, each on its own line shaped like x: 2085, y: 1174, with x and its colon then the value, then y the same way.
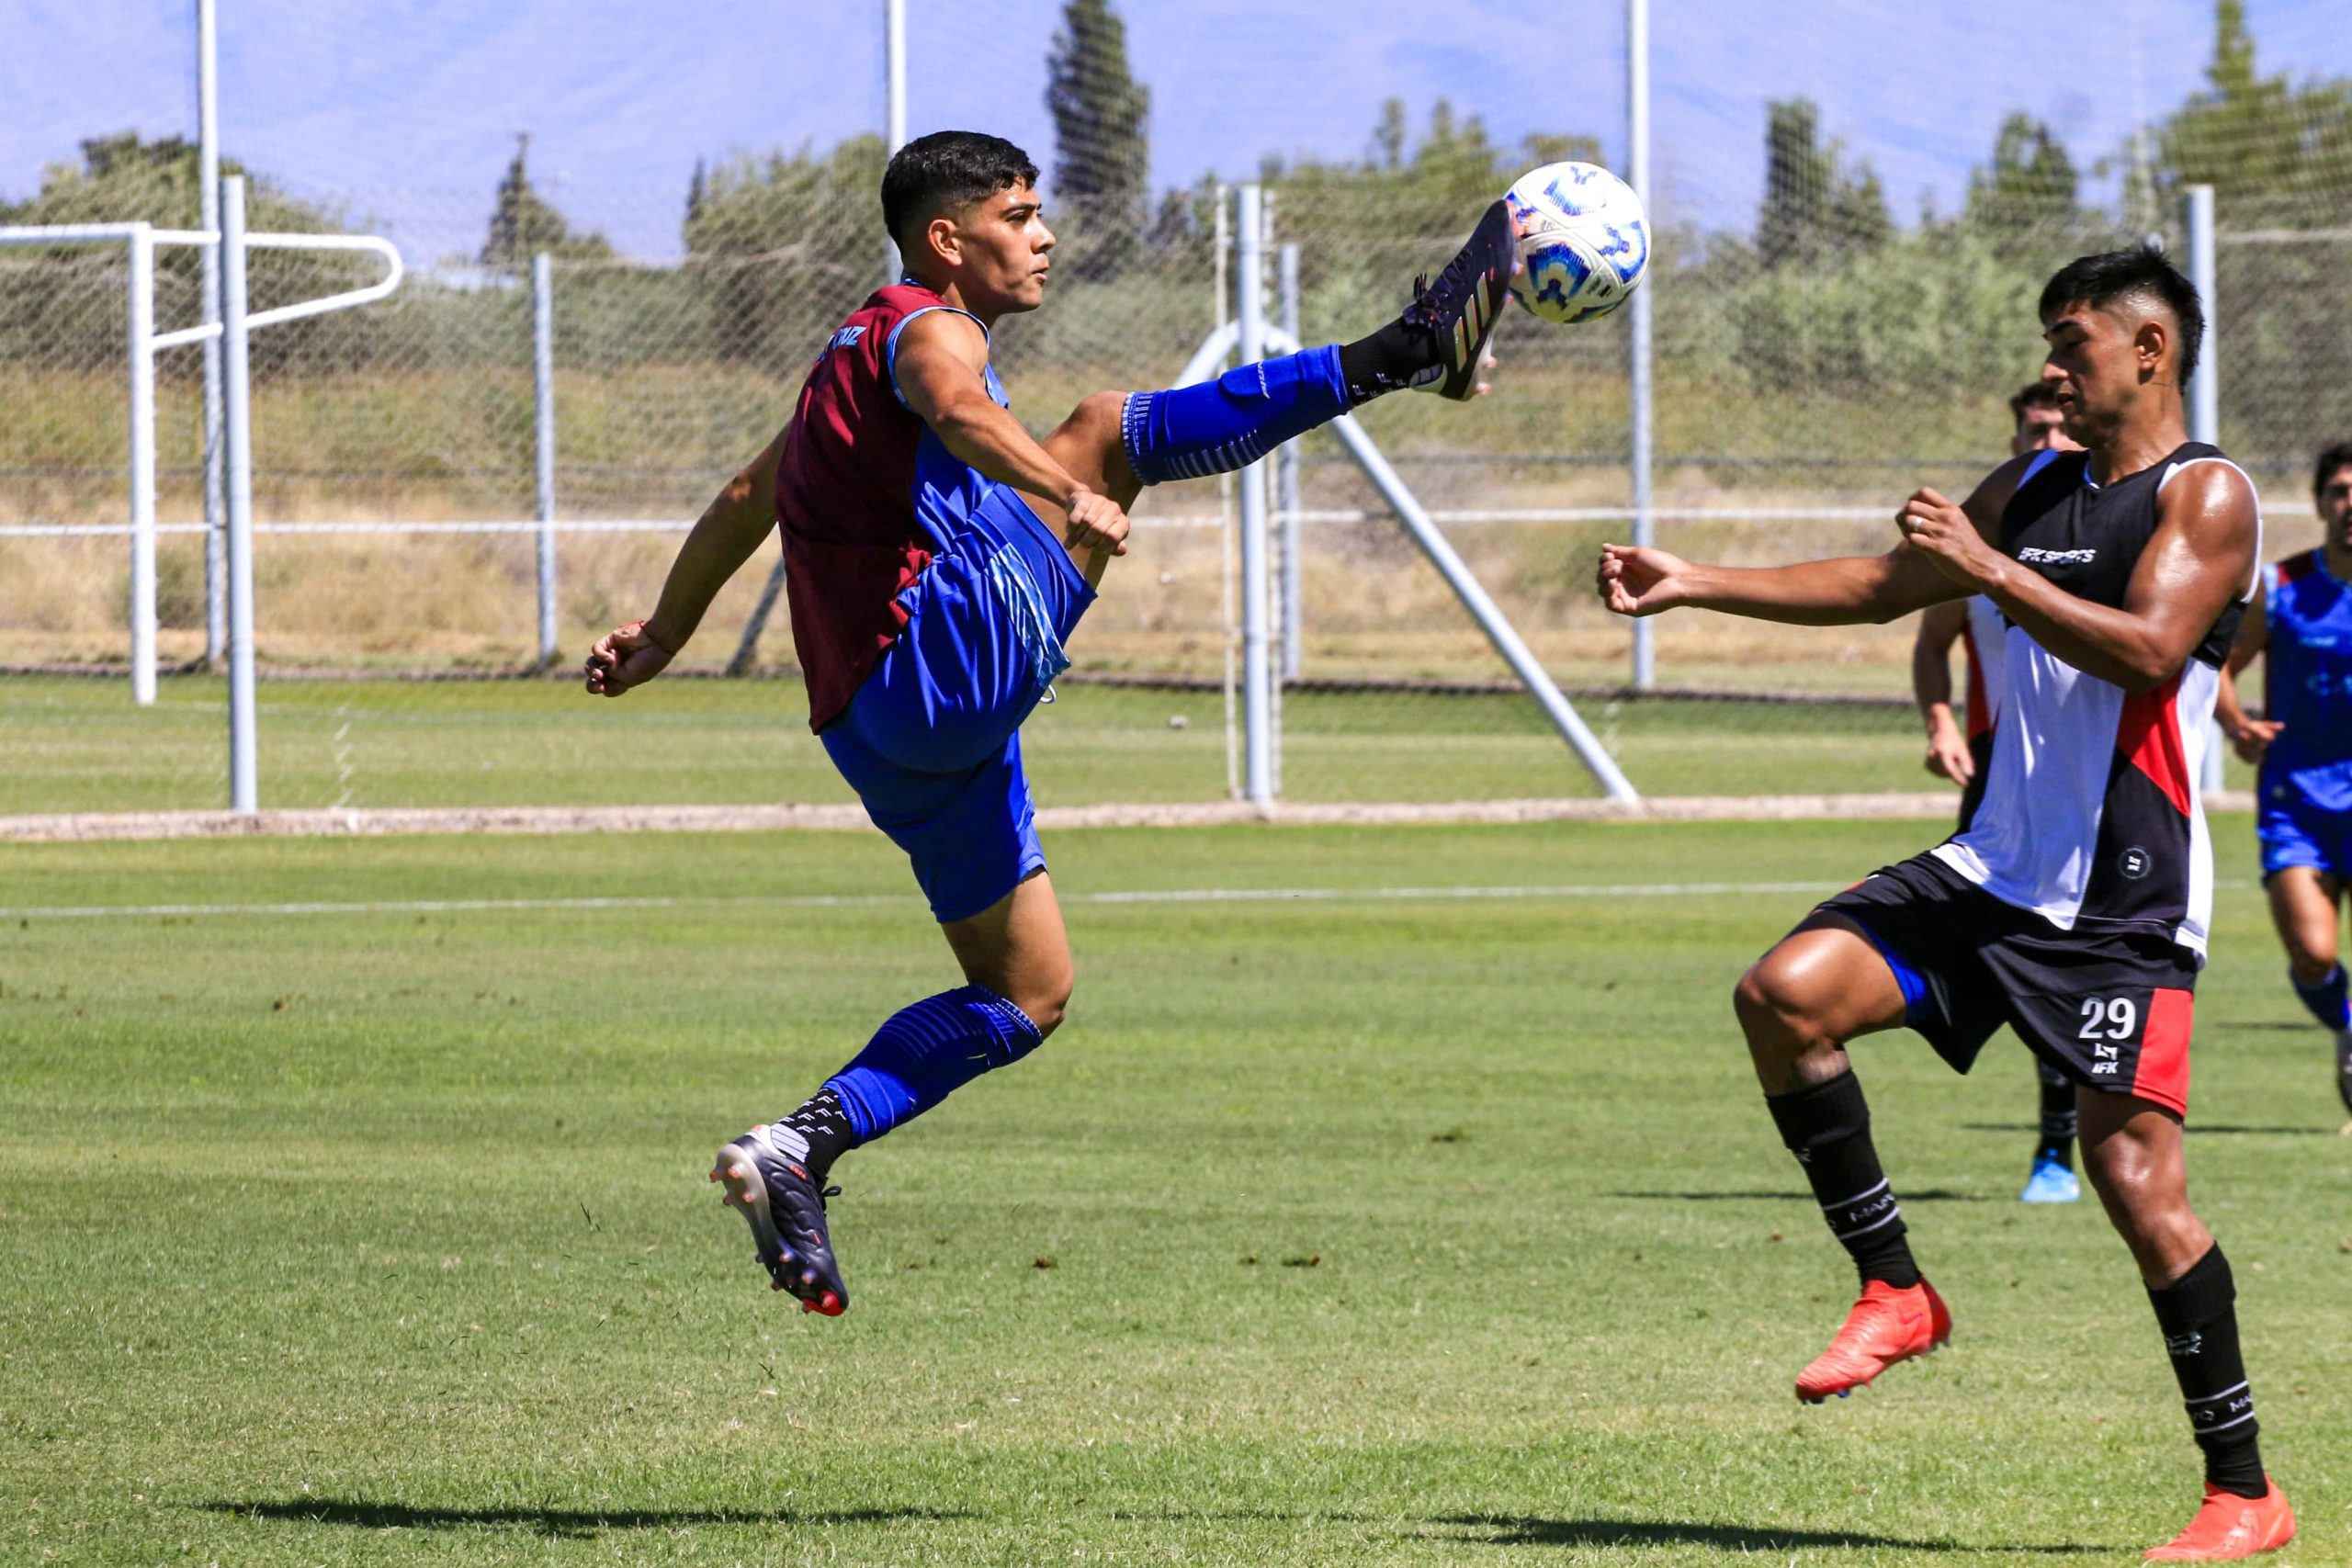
x: 824, y: 1126
x: 2057, y: 1116
x: 1388, y: 361
x: 2198, y: 1314
x: 1827, y: 1127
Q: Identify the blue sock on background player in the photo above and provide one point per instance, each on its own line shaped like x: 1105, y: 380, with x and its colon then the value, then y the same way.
x: 924, y: 1053
x: 2326, y: 998
x: 1190, y: 433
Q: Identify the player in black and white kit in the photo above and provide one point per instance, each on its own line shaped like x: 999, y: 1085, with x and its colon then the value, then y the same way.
x: 2074, y: 907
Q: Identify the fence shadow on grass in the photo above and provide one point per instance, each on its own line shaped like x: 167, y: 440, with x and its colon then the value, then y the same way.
x: 1499, y: 1530
x: 556, y: 1521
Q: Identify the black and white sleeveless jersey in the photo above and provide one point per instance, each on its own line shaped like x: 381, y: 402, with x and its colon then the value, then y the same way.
x: 2091, y: 815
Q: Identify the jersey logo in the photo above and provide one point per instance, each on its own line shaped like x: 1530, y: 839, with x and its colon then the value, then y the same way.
x: 2035, y: 556
x: 843, y: 339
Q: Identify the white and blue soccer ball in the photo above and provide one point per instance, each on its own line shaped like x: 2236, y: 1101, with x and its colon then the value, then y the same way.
x: 1583, y: 238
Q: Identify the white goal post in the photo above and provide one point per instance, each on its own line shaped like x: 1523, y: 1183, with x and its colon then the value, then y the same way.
x: 143, y: 344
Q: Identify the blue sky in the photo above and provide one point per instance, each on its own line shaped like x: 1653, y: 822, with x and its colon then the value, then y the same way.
x: 406, y: 109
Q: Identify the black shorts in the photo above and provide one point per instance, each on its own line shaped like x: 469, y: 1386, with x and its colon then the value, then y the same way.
x: 2113, y: 1010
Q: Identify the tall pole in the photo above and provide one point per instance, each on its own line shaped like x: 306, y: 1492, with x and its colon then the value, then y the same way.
x: 237, y: 444
x: 1287, y: 490
x: 1257, y: 670
x: 207, y: 183
x: 142, y: 465
x: 1637, y: 175
x: 543, y: 383
x: 894, y: 92
x: 2205, y: 401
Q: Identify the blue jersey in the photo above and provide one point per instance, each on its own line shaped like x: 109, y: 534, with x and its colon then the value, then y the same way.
x: 2308, y: 686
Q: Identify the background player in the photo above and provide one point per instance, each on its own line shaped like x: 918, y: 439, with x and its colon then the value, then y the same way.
x: 2075, y: 909
x: 2303, y: 747
x: 937, y: 559
x: 2036, y: 426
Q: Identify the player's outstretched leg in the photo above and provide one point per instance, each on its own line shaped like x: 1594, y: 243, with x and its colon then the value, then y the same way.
x: 1015, y: 956
x: 1822, y: 986
x: 2132, y: 1152
x: 2052, y: 1178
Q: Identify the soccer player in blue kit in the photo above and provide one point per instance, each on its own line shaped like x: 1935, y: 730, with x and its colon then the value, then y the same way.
x: 2303, y: 747
x: 937, y: 559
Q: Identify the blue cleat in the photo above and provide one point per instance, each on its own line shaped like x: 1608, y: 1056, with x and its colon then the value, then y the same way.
x: 785, y: 1208
x: 2052, y: 1181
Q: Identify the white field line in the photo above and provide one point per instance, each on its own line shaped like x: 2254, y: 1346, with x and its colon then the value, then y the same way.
x: 878, y: 900
x: 840, y: 901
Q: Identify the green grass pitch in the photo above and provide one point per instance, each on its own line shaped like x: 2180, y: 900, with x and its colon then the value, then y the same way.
x: 1376, y: 1226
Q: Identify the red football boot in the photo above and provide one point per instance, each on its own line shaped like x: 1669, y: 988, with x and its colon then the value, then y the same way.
x: 1885, y: 1326
x: 2229, y: 1527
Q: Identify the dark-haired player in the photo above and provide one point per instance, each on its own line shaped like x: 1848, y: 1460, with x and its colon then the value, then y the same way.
x: 937, y: 559
x: 2074, y: 907
x: 2036, y: 425
x: 2303, y: 747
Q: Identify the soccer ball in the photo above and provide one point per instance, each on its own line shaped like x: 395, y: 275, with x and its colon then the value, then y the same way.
x: 1583, y: 237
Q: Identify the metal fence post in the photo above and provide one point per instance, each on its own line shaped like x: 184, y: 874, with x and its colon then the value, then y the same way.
x: 1286, y: 494
x: 142, y: 465
x: 1256, y: 669
x: 237, y: 445
x: 543, y: 382
x: 1637, y: 171
x: 208, y: 181
x: 2205, y: 404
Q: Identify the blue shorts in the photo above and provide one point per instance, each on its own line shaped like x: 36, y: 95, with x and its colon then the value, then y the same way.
x: 932, y: 741
x: 2294, y: 832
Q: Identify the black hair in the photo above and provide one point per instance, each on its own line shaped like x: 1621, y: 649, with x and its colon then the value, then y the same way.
x: 2101, y: 280
x: 2330, y: 460
x: 945, y: 170
x: 2032, y: 395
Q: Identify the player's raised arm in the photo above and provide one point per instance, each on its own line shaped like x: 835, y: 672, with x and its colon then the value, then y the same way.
x: 730, y: 528
x: 942, y: 359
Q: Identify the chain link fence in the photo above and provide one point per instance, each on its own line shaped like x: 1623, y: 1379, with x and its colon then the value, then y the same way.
x: 1815, y: 359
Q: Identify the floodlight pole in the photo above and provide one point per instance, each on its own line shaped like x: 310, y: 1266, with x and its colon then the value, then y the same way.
x: 237, y: 444
x: 207, y: 183
x: 1637, y: 175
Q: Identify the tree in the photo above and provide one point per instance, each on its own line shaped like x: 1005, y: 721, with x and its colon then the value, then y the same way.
x: 523, y: 223
x: 787, y: 244
x: 2030, y: 182
x: 2260, y: 139
x: 1814, y: 206
x: 1102, y: 152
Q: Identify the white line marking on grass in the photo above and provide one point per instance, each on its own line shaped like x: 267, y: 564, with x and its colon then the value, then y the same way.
x: 880, y: 900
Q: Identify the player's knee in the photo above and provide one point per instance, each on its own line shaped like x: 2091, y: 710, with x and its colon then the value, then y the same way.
x: 1771, y: 1006
x: 2310, y: 956
x: 1047, y: 1000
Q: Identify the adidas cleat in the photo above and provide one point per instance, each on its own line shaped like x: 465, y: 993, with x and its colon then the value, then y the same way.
x: 2228, y: 1527
x: 2052, y: 1181
x: 785, y: 1208
x: 1885, y: 1326
x: 1460, y: 309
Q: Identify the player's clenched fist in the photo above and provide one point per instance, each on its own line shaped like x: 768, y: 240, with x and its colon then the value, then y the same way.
x: 1095, y: 520
x: 623, y: 658
x: 1948, y: 535
x: 1635, y: 580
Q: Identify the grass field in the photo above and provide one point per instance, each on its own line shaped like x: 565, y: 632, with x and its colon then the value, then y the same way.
x: 77, y: 744
x: 1369, y: 1227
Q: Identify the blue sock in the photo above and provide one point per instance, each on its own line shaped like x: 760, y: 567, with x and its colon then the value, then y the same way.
x: 1190, y: 433
x: 2325, y: 998
x: 928, y: 1051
